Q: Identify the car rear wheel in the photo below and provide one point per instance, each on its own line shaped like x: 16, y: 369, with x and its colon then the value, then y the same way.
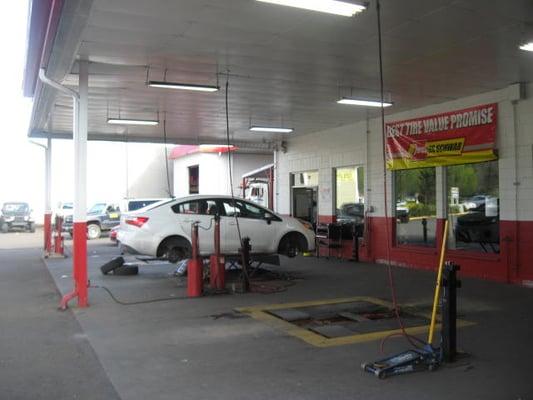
x: 175, y: 249
x: 93, y: 231
x: 31, y: 227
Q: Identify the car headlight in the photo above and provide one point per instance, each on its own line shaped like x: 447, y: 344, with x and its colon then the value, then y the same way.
x: 306, y: 224
x: 26, y: 218
x: 9, y: 219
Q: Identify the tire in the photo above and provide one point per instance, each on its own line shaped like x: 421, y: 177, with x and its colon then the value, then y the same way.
x: 175, y: 249
x: 126, y: 270
x: 93, y: 231
x: 112, y: 265
x: 4, y: 228
x: 31, y: 227
x: 292, y: 244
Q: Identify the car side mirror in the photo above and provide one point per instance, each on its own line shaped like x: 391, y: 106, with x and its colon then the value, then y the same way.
x: 268, y: 219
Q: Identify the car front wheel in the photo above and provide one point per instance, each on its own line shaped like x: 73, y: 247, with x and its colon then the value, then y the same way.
x: 292, y: 244
x: 4, y: 228
x: 93, y: 231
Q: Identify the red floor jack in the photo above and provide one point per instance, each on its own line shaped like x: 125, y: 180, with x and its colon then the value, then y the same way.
x: 217, y: 264
x: 195, y: 269
x: 427, y: 358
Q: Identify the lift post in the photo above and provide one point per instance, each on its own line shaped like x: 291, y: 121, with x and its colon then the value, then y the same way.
x: 245, y: 260
x: 450, y: 284
x: 195, y: 266
x: 216, y: 261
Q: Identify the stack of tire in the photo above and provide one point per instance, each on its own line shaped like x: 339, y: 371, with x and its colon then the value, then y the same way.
x: 117, y: 266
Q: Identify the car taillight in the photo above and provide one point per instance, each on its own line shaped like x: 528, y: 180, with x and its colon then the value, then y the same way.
x: 137, y: 221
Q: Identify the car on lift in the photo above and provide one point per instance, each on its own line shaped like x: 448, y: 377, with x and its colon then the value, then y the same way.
x: 164, y: 229
x: 16, y: 215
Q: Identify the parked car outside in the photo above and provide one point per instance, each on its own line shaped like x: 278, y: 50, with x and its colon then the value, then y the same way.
x: 474, y: 202
x: 16, y: 215
x: 103, y: 216
x: 402, y: 212
x: 352, y: 214
x: 64, y: 209
x: 479, y: 225
x: 164, y: 229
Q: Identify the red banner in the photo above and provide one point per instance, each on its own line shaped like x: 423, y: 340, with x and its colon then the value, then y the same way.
x: 458, y: 137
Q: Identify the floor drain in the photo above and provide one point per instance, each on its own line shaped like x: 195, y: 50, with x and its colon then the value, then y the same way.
x: 346, y: 319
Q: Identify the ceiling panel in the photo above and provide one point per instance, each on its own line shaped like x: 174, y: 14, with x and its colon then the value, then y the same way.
x: 287, y: 66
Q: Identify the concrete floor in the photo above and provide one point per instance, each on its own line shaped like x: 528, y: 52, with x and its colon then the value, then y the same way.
x: 200, y: 349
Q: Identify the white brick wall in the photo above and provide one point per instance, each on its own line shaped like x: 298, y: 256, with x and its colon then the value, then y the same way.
x: 351, y: 145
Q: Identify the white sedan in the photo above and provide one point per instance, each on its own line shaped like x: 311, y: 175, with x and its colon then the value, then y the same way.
x: 163, y: 229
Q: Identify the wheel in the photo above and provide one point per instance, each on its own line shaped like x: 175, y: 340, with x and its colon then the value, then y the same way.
x: 93, y: 231
x: 126, y: 270
x: 31, y: 227
x: 4, y: 228
x: 112, y: 265
x: 175, y: 249
x: 292, y: 244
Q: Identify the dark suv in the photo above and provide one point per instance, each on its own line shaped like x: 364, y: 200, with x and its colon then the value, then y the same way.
x: 16, y: 215
x: 101, y: 217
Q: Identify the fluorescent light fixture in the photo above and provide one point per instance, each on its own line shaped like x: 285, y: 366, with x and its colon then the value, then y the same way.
x: 183, y: 86
x: 527, y: 46
x: 363, y: 102
x: 119, y: 121
x: 270, y: 129
x: 326, y: 6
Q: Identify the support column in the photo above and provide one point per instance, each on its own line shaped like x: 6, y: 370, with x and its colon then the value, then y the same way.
x: 48, y: 198
x: 80, y: 187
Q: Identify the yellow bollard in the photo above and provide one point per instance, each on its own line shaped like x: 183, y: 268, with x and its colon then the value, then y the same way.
x: 437, y: 287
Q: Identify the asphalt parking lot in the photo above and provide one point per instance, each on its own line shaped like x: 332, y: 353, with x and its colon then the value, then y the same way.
x: 166, y: 347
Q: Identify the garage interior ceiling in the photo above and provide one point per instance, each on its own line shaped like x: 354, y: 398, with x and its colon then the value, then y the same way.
x: 286, y: 66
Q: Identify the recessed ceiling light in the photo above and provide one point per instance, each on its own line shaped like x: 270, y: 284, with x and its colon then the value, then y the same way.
x: 119, y: 121
x: 183, y: 86
x: 326, y: 6
x: 271, y: 129
x: 363, y: 102
x: 527, y: 46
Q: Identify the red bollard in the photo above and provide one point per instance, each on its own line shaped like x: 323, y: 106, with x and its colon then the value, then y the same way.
x: 217, y: 269
x: 195, y: 267
x: 47, y: 233
x: 58, y: 238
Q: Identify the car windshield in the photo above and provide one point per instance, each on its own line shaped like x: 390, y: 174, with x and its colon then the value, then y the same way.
x: 98, y: 208
x: 15, y: 207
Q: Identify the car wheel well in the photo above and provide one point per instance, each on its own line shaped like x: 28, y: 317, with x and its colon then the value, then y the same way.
x: 176, y: 241
x: 292, y: 243
x: 93, y: 222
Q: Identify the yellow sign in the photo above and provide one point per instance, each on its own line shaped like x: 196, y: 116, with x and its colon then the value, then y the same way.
x: 449, y: 147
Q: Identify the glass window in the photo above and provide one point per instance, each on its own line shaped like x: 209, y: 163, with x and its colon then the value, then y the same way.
x: 245, y: 210
x: 308, y: 178
x: 349, y: 194
x: 201, y: 207
x: 194, y: 174
x: 415, y: 197
x: 473, y: 207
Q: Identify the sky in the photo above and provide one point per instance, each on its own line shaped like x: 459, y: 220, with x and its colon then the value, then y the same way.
x: 112, y: 167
